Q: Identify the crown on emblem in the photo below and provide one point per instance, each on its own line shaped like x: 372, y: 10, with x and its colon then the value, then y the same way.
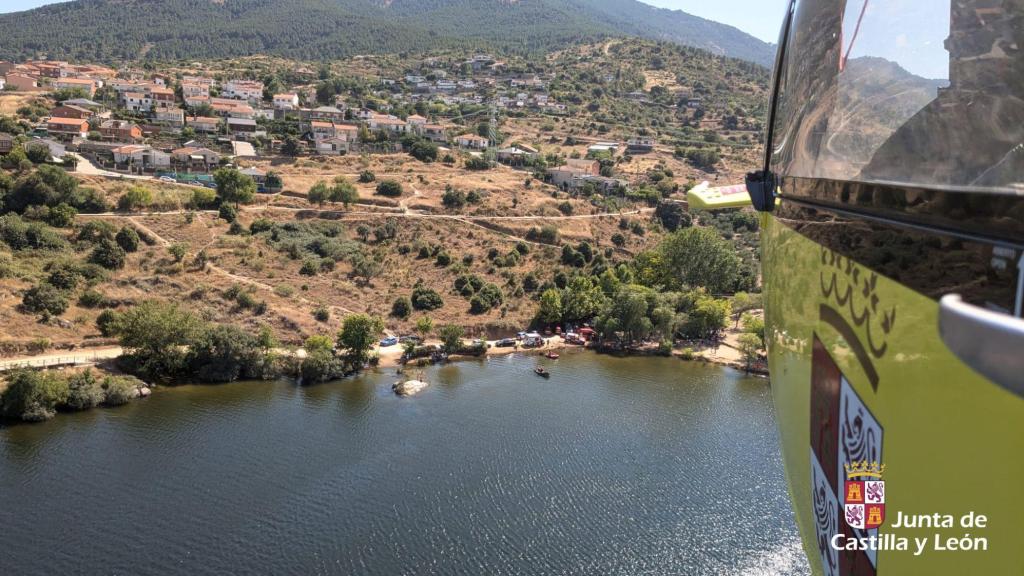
x: 864, y: 468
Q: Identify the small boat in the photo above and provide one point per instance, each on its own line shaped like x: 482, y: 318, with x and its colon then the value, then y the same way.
x: 553, y: 355
x: 540, y: 371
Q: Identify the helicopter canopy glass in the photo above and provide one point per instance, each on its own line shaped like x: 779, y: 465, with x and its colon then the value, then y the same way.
x: 927, y: 93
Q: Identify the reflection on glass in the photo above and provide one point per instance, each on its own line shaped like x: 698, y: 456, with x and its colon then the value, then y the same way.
x: 920, y: 92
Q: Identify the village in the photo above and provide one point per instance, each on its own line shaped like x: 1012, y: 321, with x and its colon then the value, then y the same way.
x: 131, y: 122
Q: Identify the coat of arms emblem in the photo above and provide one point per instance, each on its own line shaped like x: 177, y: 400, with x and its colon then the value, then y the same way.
x: 864, y: 495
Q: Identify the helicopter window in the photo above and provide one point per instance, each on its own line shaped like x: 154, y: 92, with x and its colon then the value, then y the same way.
x: 909, y: 92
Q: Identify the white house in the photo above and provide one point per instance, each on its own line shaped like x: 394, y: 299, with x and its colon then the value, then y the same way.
x: 471, y: 141
x: 332, y: 146
x: 244, y: 90
x: 287, y: 101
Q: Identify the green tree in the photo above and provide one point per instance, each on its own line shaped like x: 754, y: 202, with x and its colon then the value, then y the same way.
x: 233, y: 186
x: 128, y: 239
x: 319, y: 193
x: 344, y: 191
x: 33, y: 396
x: 451, y: 337
x: 754, y: 325
x: 707, y: 317
x: 749, y: 346
x: 582, y: 299
x: 626, y: 318
x: 391, y: 188
x: 699, y: 257
x: 156, y: 336
x: 424, y: 325
x: 225, y: 353
x: 45, y: 299
x: 358, y: 334
x: 318, y: 343
x: 84, y: 391
x: 178, y: 250
x: 550, y: 310
x: 402, y: 307
x: 108, y: 254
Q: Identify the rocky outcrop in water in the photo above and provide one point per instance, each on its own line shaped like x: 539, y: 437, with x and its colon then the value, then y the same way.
x: 409, y: 387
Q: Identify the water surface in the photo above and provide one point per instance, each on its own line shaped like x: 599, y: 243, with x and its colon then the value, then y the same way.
x: 612, y: 466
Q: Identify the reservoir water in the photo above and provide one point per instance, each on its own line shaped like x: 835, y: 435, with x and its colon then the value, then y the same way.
x: 612, y: 466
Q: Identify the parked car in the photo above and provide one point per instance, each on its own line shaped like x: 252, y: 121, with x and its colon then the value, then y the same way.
x: 389, y: 341
x: 410, y: 338
x: 168, y: 179
x: 505, y: 342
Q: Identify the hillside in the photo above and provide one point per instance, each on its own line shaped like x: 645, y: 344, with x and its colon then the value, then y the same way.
x: 117, y: 30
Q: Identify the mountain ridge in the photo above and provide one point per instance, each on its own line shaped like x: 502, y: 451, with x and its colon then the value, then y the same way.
x: 120, y: 30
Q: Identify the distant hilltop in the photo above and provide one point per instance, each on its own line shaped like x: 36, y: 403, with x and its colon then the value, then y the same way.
x: 128, y: 30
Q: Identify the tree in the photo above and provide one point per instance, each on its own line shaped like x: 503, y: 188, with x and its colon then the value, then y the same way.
x: 453, y: 198
x: 33, y: 396
x: 157, y: 336
x: 707, y: 317
x: 108, y: 254
x: 128, y: 239
x: 62, y: 216
x: 390, y: 188
x: 451, y: 337
x: 84, y: 391
x: 344, y: 191
x: 318, y: 343
x: 673, y: 216
x: 107, y: 322
x: 402, y: 307
x: 233, y: 186
x: 319, y: 193
x: 754, y: 325
x: 290, y: 146
x: 358, y: 334
x: 423, y: 150
x: 627, y: 314
x: 178, y: 251
x: 366, y: 176
x: 45, y: 299
x: 582, y: 300
x: 698, y: 256
x: 749, y: 346
x: 550, y: 310
x: 225, y: 353
x: 426, y: 299
x: 424, y: 325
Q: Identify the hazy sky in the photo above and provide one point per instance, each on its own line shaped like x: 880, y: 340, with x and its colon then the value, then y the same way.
x: 758, y: 17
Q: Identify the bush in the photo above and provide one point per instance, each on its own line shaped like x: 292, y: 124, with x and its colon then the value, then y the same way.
x: 63, y: 278
x: 489, y: 296
x: 107, y: 323
x: 261, y: 225
x: 453, y: 199
x: 426, y: 299
x: 309, y: 268
x: 320, y: 366
x: 443, y: 259
x: 227, y: 212
x: 366, y: 177
x: 402, y: 307
x: 321, y: 313
x: 84, y: 391
x: 178, y: 251
x: 135, y: 198
x: 202, y: 198
x: 62, y: 216
x: 118, y: 390
x: 390, y: 188
x: 128, y: 239
x: 33, y: 396
x: 92, y: 299
x: 108, y: 254
x: 45, y: 299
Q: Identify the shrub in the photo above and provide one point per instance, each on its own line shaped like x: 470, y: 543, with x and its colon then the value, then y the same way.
x: 63, y: 278
x: 453, y: 199
x: 402, y: 307
x: 309, y: 268
x: 92, y: 299
x: 202, y: 198
x: 227, y: 212
x: 84, y: 391
x: 178, y: 251
x: 261, y: 225
x: 45, y: 299
x: 367, y: 176
x: 107, y: 322
x: 443, y: 259
x: 33, y: 396
x: 426, y: 299
x: 321, y: 313
x: 118, y: 390
x: 62, y: 216
x: 108, y: 254
x: 135, y: 198
x: 390, y: 188
x: 128, y: 239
